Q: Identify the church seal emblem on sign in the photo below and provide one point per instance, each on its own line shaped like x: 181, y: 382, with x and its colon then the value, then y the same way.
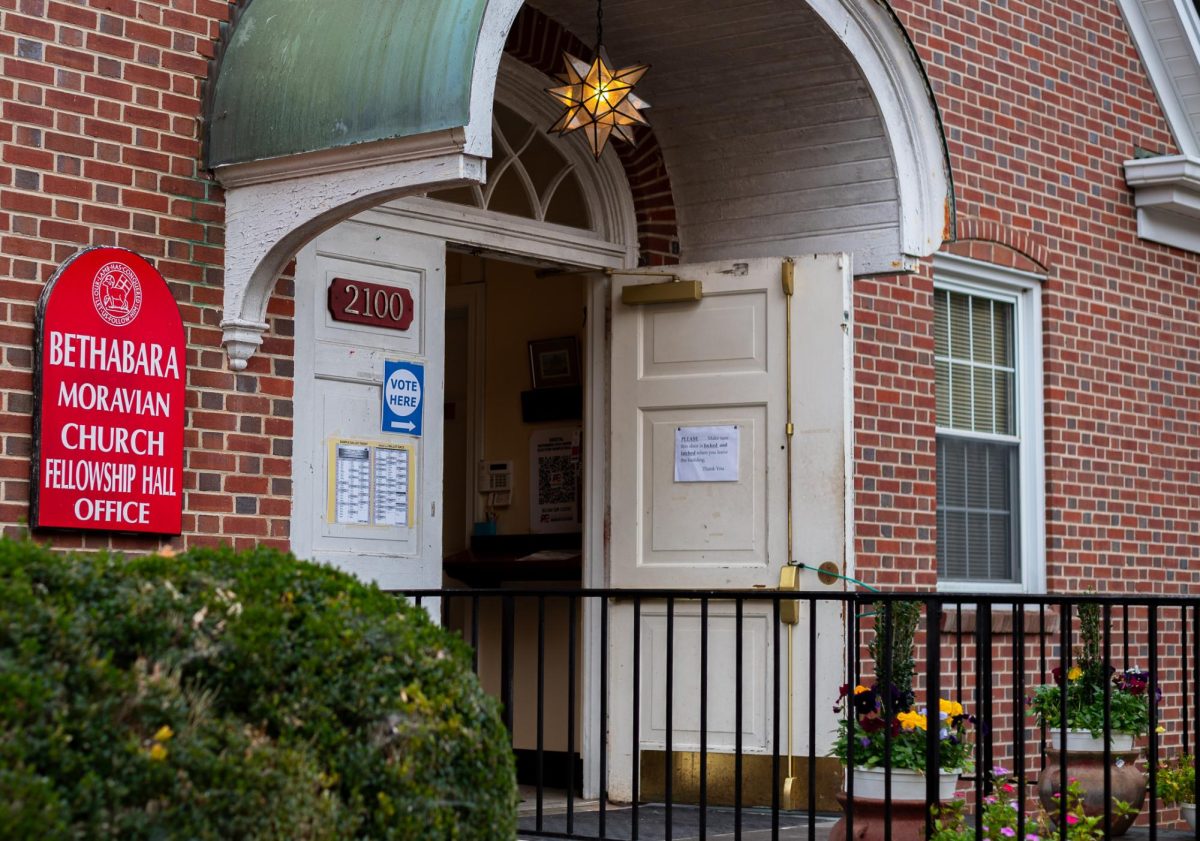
x: 117, y: 294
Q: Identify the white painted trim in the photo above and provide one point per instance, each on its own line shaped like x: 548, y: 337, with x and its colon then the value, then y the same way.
x: 510, y: 234
x: 493, y: 32
x: 473, y: 298
x: 341, y: 159
x: 1166, y: 192
x: 1160, y: 67
x: 595, y: 513
x: 1023, y: 290
x: 908, y: 113
x: 850, y: 564
x: 266, y: 223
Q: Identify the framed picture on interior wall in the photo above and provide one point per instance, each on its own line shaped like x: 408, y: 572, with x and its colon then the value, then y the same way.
x: 554, y: 362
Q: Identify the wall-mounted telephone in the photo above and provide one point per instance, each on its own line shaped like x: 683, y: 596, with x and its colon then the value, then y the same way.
x: 496, y: 480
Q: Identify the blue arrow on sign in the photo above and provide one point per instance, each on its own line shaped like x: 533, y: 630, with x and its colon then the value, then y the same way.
x: 403, y: 397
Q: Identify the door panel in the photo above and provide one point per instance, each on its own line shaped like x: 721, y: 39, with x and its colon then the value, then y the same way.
x: 339, y: 376
x: 721, y: 362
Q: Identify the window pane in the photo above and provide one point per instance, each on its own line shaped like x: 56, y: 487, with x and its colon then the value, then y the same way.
x: 941, y: 340
x: 981, y: 330
x: 960, y: 326
x: 973, y: 359
x: 977, y: 516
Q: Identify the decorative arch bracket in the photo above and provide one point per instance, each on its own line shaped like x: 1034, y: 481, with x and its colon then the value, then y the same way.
x: 347, y: 145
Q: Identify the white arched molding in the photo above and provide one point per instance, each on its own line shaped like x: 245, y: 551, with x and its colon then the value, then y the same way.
x: 893, y: 72
x: 273, y: 207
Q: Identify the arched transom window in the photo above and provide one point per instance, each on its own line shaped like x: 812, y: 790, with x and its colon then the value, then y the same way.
x: 527, y: 177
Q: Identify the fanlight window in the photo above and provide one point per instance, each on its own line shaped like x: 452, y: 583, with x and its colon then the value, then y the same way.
x: 527, y: 177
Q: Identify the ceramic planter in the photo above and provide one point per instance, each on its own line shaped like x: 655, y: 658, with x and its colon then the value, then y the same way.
x: 1085, y: 763
x: 908, y: 805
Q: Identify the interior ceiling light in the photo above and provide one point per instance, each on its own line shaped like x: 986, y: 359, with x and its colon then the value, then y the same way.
x: 597, y: 98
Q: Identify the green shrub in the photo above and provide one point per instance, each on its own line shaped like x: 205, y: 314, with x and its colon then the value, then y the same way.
x: 227, y: 695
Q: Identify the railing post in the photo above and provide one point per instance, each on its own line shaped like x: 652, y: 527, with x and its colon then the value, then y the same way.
x: 933, y: 696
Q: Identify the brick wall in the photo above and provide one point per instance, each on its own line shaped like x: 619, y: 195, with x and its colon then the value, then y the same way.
x: 99, y: 145
x: 1042, y: 103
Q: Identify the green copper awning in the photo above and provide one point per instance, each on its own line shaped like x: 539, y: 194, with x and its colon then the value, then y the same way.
x: 307, y: 75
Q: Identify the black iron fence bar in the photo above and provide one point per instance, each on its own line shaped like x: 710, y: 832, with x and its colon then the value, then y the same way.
x: 777, y: 685
x: 636, y: 720
x: 739, y: 606
x: 703, y: 719
x: 1042, y: 679
x: 1106, y: 614
x: 1151, y: 692
x: 603, y: 729
x: 508, y: 651
x: 980, y: 722
x: 571, y: 618
x: 933, y: 694
x: 812, y: 721
x: 1018, y: 616
x: 670, y: 720
x: 1183, y: 652
x: 852, y: 682
x: 889, y: 713
x: 1195, y: 697
x: 1061, y: 736
x: 541, y: 708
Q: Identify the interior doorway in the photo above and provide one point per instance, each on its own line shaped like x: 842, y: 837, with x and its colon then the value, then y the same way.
x: 513, y: 484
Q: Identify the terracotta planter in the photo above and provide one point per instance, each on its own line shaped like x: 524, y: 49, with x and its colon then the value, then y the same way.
x: 908, y: 804
x: 1085, y: 763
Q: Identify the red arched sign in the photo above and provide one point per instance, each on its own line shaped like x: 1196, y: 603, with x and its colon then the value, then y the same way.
x: 109, y: 373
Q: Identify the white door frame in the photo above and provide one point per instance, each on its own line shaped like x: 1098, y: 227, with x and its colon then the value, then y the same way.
x: 471, y: 297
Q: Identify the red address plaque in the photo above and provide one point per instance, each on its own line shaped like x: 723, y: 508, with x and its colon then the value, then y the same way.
x: 363, y: 302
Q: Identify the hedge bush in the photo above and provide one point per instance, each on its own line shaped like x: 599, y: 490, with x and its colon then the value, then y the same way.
x: 223, y: 695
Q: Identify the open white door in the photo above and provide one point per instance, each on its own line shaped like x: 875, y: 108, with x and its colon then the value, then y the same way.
x: 368, y: 498
x: 699, y: 489
x: 717, y: 366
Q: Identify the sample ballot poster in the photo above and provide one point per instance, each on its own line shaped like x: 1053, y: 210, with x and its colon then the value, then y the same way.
x: 706, y: 453
x: 554, y: 489
x: 369, y: 483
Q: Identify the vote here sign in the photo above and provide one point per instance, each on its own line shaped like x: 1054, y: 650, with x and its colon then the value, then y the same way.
x: 109, y: 374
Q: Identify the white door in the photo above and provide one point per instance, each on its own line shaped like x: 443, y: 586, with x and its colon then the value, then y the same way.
x: 367, y: 499
x: 699, y: 486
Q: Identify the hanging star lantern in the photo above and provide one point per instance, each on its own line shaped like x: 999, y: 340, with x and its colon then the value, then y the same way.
x: 599, y: 100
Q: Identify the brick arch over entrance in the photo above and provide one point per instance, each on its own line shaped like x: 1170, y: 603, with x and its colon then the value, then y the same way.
x: 539, y: 41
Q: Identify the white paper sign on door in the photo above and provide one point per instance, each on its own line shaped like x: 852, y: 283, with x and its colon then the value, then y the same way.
x: 706, y: 453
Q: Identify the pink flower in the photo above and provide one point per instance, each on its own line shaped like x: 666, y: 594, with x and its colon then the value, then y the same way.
x: 1007, y: 787
x: 1007, y: 831
x: 1072, y: 819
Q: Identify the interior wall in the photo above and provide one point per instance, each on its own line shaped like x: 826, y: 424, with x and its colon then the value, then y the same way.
x: 521, y: 306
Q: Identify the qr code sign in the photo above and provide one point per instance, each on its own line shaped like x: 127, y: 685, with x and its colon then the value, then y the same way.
x: 556, y: 479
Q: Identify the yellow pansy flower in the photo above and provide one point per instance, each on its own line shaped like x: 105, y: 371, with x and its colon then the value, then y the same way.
x: 157, y: 752
x: 911, y: 721
x: 1074, y: 673
x: 949, y: 707
x: 860, y: 689
x: 164, y: 734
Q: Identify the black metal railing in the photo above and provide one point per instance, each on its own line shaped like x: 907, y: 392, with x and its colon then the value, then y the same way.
x: 613, y: 708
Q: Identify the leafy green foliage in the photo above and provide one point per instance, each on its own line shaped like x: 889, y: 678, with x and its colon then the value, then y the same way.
x: 999, y: 816
x: 1176, y: 782
x: 876, y: 737
x: 1083, y: 684
x: 216, y: 695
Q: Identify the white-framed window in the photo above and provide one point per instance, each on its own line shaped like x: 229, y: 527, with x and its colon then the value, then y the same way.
x: 990, y: 456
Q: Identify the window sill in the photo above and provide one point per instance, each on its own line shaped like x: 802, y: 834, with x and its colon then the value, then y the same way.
x: 967, y: 621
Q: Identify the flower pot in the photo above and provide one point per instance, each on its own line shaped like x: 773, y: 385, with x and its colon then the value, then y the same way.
x: 1084, y: 741
x: 906, y: 784
x: 908, y: 806
x: 1188, y: 811
x: 1086, y: 765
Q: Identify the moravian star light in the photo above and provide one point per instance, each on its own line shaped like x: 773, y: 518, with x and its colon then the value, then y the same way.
x: 599, y: 100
